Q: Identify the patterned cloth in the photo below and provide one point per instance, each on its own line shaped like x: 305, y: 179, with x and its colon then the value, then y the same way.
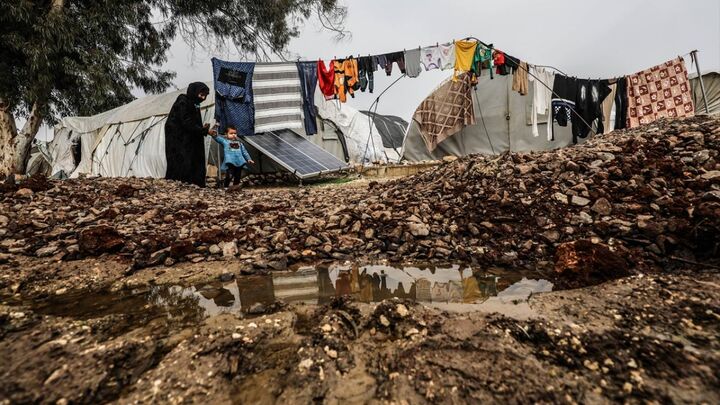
x: 658, y: 92
x: 234, y: 95
x: 278, y: 97
x: 446, y: 111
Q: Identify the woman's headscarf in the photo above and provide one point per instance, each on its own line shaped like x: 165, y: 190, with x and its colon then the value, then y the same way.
x: 195, y: 89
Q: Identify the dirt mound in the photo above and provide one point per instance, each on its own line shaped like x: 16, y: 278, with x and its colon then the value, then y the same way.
x: 651, y: 195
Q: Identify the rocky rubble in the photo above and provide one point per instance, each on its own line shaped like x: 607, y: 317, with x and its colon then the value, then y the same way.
x: 648, y: 197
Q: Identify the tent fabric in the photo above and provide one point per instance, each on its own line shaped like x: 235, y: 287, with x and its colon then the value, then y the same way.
x: 503, y: 124
x: 130, y: 140
x: 355, y: 127
x: 392, y: 129
x: 711, y: 80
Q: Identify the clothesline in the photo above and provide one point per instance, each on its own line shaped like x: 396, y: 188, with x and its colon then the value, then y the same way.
x: 437, y: 44
x: 278, y: 101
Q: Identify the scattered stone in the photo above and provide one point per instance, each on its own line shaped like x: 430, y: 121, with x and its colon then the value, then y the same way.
x: 230, y: 249
x: 602, y: 206
x: 24, y: 193
x: 99, y: 239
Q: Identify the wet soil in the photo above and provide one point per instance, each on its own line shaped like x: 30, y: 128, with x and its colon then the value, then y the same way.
x: 349, y: 333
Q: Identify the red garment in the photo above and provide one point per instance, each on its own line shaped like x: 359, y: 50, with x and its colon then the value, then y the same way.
x: 326, y: 79
x: 498, y: 60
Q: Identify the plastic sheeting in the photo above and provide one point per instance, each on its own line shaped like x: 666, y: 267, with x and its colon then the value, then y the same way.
x: 356, y: 128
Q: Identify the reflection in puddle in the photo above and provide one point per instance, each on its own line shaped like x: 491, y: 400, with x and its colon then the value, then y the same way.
x: 372, y: 283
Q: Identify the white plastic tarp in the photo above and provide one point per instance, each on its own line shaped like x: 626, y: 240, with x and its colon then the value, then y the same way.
x: 356, y: 127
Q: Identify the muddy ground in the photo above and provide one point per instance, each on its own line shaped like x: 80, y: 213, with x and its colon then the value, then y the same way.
x: 638, y: 339
x: 102, y: 281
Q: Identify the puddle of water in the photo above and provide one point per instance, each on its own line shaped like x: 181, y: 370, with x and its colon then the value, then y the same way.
x: 371, y: 283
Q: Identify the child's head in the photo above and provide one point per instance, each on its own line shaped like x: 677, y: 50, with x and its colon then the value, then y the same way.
x: 231, y: 132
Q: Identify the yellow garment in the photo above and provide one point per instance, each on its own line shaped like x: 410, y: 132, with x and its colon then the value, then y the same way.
x: 351, y: 75
x: 340, y: 81
x: 346, y: 78
x: 464, y: 54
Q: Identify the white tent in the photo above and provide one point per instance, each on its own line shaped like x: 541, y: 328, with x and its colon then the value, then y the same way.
x: 126, y: 141
x: 130, y: 140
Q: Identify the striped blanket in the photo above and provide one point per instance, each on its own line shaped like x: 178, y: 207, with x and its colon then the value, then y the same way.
x: 277, y: 96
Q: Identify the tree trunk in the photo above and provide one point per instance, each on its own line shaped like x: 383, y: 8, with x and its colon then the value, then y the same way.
x: 8, y: 133
x: 23, y: 141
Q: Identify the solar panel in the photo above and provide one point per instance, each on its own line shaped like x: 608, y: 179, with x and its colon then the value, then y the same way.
x: 295, y: 153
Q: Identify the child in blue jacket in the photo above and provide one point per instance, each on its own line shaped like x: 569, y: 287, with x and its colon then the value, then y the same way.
x: 236, y: 156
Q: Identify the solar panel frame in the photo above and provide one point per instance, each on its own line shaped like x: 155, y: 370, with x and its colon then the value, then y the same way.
x: 288, y: 153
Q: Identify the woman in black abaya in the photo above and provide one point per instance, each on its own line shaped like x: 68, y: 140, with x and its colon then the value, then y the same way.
x: 184, y: 137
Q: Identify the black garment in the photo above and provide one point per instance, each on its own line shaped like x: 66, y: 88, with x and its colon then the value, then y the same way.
x: 563, y: 101
x: 511, y: 63
x: 233, y: 172
x: 621, y: 103
x: 184, y: 138
x: 366, y: 66
x: 397, y: 57
x: 588, y: 105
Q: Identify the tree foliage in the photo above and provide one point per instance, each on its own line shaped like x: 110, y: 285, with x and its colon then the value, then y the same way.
x: 88, y: 55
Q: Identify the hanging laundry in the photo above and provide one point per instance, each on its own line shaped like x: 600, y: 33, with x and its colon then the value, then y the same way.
x: 621, y: 103
x: 278, y: 97
x: 446, y: 111
x: 346, y: 78
x: 380, y: 61
x: 588, y: 106
x: 607, y: 108
x: 499, y: 62
x: 431, y: 58
x: 563, y: 102
x: 464, y: 55
x: 352, y: 82
x: 659, y: 92
x: 326, y: 79
x: 366, y: 68
x: 233, y: 82
x: 447, y: 56
x: 512, y: 63
x: 308, y: 83
x: 339, y: 82
x: 412, y: 62
x: 543, y: 82
x: 394, y: 57
x: 505, y: 64
x: 520, y: 79
x: 483, y: 55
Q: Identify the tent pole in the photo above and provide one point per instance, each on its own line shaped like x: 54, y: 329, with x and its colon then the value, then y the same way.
x: 702, y: 85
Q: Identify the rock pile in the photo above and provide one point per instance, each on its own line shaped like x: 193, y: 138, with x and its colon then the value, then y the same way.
x: 645, y: 195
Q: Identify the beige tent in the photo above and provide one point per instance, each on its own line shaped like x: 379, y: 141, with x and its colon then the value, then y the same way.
x: 503, y: 122
x: 711, y: 80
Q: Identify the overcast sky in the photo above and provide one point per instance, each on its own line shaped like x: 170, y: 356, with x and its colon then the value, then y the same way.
x: 587, y: 38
